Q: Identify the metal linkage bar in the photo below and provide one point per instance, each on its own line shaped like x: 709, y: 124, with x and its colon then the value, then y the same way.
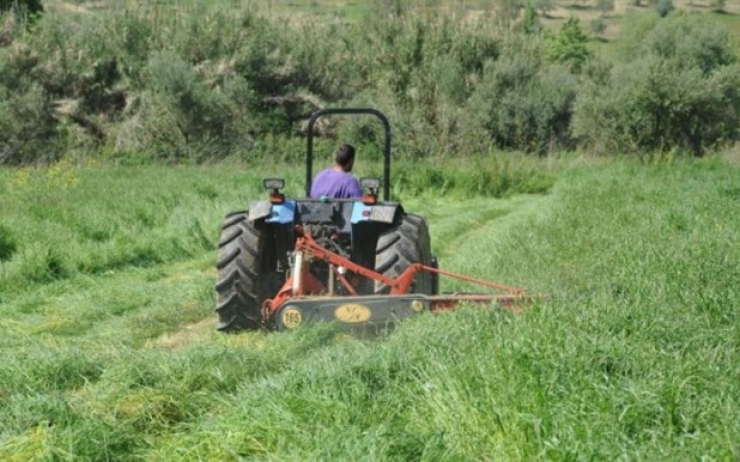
x: 303, y: 284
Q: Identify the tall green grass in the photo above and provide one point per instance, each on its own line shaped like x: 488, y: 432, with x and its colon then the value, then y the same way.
x: 632, y: 354
x: 65, y: 220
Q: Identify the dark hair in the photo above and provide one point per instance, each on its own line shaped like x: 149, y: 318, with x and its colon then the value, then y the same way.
x: 345, y: 155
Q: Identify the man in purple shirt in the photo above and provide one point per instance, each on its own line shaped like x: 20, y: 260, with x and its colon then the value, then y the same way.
x: 337, y: 182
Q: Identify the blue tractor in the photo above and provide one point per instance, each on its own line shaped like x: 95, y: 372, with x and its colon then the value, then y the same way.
x: 258, y: 254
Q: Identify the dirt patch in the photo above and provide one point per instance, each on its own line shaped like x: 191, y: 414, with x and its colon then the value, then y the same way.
x: 79, y: 8
x: 197, y: 332
x: 67, y: 7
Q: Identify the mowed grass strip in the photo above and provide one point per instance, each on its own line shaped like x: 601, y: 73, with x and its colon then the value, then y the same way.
x: 633, y: 353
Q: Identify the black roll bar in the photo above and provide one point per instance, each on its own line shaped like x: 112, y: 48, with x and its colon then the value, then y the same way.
x: 353, y: 111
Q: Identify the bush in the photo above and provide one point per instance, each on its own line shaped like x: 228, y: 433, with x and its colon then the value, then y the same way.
x: 718, y: 5
x: 664, y: 7
x: 569, y: 46
x: 206, y: 83
x: 180, y: 117
x: 680, y: 91
x: 598, y: 25
x: 422, y: 74
x: 27, y: 127
x: 523, y: 106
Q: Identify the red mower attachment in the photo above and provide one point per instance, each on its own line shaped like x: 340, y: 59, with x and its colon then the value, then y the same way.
x: 304, y: 298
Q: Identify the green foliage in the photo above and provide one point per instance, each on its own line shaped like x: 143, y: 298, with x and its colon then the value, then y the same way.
x: 507, y: 12
x: 489, y: 174
x: 678, y: 90
x: 664, y: 7
x: 523, y: 106
x: 569, y: 45
x: 198, y: 83
x: 424, y: 77
x: 598, y: 25
x: 22, y: 7
x: 207, y: 85
x: 530, y: 23
x: 718, y: 5
x: 180, y: 118
x: 27, y: 126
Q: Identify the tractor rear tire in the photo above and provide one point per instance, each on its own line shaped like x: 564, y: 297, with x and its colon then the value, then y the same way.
x: 401, y: 246
x: 241, y: 260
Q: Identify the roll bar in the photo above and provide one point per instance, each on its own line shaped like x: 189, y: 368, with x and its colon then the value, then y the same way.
x: 353, y: 111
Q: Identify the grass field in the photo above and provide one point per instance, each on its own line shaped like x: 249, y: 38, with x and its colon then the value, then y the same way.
x: 107, y: 294
x: 106, y: 324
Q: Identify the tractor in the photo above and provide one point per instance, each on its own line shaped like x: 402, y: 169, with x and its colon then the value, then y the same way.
x: 365, y: 261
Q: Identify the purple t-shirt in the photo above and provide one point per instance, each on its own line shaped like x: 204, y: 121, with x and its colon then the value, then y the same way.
x: 335, y: 184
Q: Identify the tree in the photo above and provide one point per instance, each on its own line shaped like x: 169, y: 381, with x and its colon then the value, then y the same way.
x: 522, y: 103
x: 569, y: 46
x: 677, y: 87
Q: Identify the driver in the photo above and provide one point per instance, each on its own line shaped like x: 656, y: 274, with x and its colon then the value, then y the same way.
x: 337, y: 182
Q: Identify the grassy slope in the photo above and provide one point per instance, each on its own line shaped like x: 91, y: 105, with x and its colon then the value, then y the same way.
x: 635, y: 353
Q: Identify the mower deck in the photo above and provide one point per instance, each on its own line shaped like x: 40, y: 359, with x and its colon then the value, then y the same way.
x: 378, y: 311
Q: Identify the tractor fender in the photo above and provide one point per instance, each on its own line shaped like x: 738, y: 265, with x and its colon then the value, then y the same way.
x: 272, y: 213
x: 259, y: 209
x: 379, y: 213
